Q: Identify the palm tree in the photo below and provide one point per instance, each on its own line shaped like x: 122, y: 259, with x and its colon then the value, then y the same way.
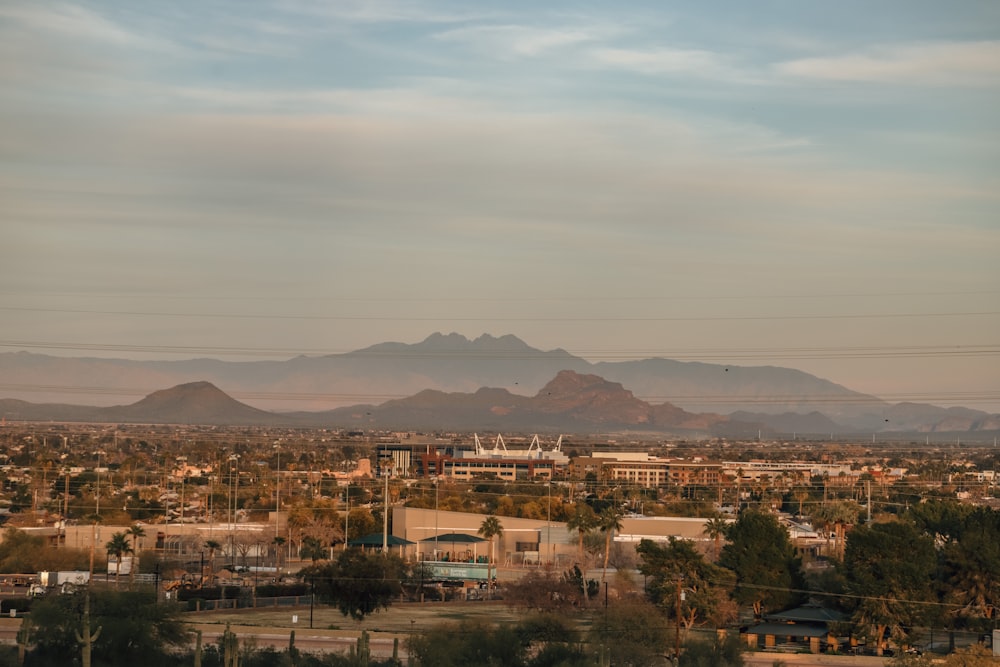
x: 491, y: 528
x: 118, y: 546
x: 135, y: 532
x: 715, y: 528
x: 839, y: 514
x: 312, y: 548
x: 279, y: 542
x: 801, y: 495
x: 212, y: 546
x: 609, y: 522
x: 583, y: 520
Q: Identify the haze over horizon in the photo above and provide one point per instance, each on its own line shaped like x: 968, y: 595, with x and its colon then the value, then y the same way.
x: 809, y: 186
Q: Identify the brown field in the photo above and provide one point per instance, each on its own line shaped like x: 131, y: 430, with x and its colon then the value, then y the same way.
x: 401, y: 618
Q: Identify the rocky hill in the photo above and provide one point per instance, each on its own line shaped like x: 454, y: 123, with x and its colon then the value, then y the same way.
x: 569, y: 403
x: 403, y: 378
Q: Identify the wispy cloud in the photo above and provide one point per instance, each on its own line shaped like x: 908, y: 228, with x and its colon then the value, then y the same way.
x: 379, y: 11
x: 694, y: 63
x: 931, y: 63
x: 516, y: 40
x: 77, y: 22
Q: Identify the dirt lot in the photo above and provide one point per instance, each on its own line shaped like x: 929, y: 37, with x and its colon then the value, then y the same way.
x: 400, y: 618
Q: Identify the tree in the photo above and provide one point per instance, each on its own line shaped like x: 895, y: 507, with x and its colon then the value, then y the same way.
x: 299, y: 517
x: 631, y: 634
x: 764, y: 561
x: 542, y: 590
x: 727, y: 652
x: 358, y: 582
x: 135, y: 532
x: 839, y: 515
x: 583, y: 520
x: 118, y: 547
x: 679, y: 565
x: 279, y: 543
x: 609, y: 521
x: 361, y: 522
x: 212, y: 546
x: 312, y: 549
x: 715, y: 529
x: 135, y: 628
x: 940, y: 517
x: 506, y: 645
x: 976, y: 655
x: 589, y: 588
x: 800, y: 495
x: 21, y: 552
x: 491, y: 528
x: 889, y: 569
x: 970, y: 568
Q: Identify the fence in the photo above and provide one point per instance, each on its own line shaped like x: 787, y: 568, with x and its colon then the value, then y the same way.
x: 248, y: 602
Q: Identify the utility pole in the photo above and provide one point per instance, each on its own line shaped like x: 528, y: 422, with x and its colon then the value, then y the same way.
x: 677, y: 634
x: 385, y: 514
x: 868, y: 483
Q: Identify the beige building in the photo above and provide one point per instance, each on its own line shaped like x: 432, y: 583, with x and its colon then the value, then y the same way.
x: 525, y: 541
x: 641, y: 469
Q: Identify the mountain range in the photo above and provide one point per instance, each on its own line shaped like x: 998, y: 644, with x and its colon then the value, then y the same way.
x: 451, y: 382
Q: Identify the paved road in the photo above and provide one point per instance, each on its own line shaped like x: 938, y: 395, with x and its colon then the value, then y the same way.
x: 314, y: 641
x: 381, y: 644
x: 762, y: 659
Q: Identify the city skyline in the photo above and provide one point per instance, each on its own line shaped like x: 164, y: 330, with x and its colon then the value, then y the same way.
x: 813, y: 187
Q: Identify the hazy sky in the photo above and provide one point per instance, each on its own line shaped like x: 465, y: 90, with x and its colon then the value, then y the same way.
x: 813, y: 185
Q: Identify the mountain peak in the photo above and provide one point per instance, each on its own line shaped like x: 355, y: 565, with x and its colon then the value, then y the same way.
x: 195, y: 403
x: 567, y: 383
x: 485, y: 342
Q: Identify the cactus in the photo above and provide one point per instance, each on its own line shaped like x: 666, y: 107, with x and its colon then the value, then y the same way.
x: 86, y: 638
x: 230, y: 648
x: 24, y: 636
x: 364, y: 649
x: 293, y: 653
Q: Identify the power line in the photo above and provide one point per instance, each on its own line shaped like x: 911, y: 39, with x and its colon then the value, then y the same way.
x: 395, y: 318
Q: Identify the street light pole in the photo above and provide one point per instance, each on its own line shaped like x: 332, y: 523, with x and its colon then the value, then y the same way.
x: 277, y: 489
x: 97, y: 510
x: 232, y: 501
x: 548, y: 527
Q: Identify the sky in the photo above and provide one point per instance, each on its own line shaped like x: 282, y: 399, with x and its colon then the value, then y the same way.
x: 810, y: 185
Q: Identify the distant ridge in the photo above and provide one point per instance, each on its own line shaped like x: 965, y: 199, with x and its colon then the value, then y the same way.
x: 570, y: 403
x: 386, y: 374
x: 190, y: 403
